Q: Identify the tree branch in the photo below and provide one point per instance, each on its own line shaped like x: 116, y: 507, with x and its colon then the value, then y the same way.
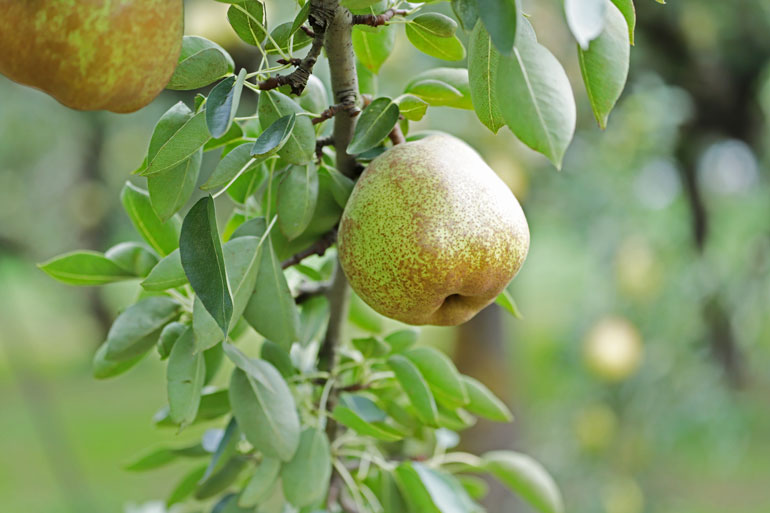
x: 396, y: 135
x: 329, y: 113
x: 375, y: 20
x: 318, y: 248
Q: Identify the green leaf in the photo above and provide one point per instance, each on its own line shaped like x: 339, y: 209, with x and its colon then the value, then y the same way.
x: 185, y: 374
x: 535, y: 97
x: 85, y: 268
x: 200, y: 63
x: 467, y: 13
x: 104, y: 368
x: 483, y: 63
x: 226, y: 449
x: 416, y: 388
x: 300, y: 18
x: 442, y: 47
x: 441, y: 374
x: 433, y: 491
x: 373, y: 46
x: 585, y: 19
x: 306, y: 476
x: 133, y: 257
x: 443, y: 87
x: 234, y: 164
x: 371, y: 347
x: 401, y: 340
x: 218, y: 482
x: 249, y: 21
x: 374, y: 125
x: 297, y: 197
x: 505, y: 299
x: 162, y: 456
x: 313, y: 319
x: 629, y: 13
x: 171, y: 189
x: 167, y: 274
x: 314, y: 97
x: 267, y: 415
x: 233, y: 135
x: 207, y: 331
x: 222, y: 104
x: 377, y: 430
x: 278, y: 357
x: 604, y: 65
x: 186, y: 138
x: 341, y: 185
x: 137, y: 328
x: 247, y: 183
x: 501, y: 18
x: 435, y: 24
x: 282, y: 34
x: 213, y: 358
x: 300, y: 148
x: 213, y: 405
x: 484, y: 403
x: 168, y: 337
x: 163, y: 237
x: 412, y: 107
x: 274, y: 137
x: 271, y: 309
x: 186, y: 486
x: 204, y: 263
x: 526, y: 477
x: 261, y: 483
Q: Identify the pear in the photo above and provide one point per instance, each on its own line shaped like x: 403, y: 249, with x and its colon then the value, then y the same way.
x: 430, y: 234
x: 114, y: 55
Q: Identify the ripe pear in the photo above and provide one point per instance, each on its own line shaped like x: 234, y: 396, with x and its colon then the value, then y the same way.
x: 430, y: 234
x: 114, y: 55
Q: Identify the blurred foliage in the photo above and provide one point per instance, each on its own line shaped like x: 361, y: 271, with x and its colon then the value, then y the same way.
x: 612, y: 238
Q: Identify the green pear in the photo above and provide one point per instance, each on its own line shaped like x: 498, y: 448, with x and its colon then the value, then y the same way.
x: 430, y: 234
x: 114, y: 55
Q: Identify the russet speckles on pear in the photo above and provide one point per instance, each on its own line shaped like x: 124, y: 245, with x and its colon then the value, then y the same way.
x: 115, y: 55
x: 430, y: 234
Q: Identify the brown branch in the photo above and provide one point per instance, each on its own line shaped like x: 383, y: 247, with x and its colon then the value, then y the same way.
x: 375, y: 20
x: 334, y: 109
x: 319, y: 19
x: 396, y: 135
x: 310, y: 291
x: 307, y: 30
x: 320, y: 144
x: 294, y: 61
x: 318, y: 248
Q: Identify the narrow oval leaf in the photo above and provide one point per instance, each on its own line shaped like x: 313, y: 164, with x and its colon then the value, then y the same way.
x: 341, y: 185
x: 168, y: 337
x: 137, y: 328
x: 178, y: 147
x: 604, y: 65
x: 446, y: 48
x: 201, y: 62
x: 411, y: 107
x: 434, y: 23
x: 300, y: 148
x: 224, y: 477
x: 466, y: 12
x: 505, y: 299
x: 416, y: 388
x: 207, y: 331
x: 234, y: 164
x: 535, y: 97
x: 274, y: 137
x: 629, y: 13
x: 203, y: 262
x: 501, y: 19
x: 441, y: 374
x: 133, y: 257
x: 271, y: 309
x: 167, y: 274
x: 184, y: 376
x: 433, y: 490
x: 401, y: 340
x: 103, y: 368
x: 585, y: 19
x: 297, y: 197
x: 484, y: 403
x: 282, y: 35
x: 483, y: 62
x: 267, y: 415
x: 218, y: 107
x: 261, y: 482
x: 162, y: 456
x: 249, y: 21
x: 85, y: 268
x: 163, y: 237
x: 306, y: 476
x: 225, y: 450
x: 526, y: 477
x: 232, y: 136
x: 377, y: 430
x: 186, y: 486
x: 278, y: 357
x: 171, y: 189
x: 374, y: 125
x: 372, y: 47
x: 453, y: 87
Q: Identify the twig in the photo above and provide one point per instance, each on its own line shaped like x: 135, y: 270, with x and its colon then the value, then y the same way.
x: 329, y: 113
x: 293, y: 61
x: 318, y: 248
x: 307, y: 30
x: 320, y: 144
x: 396, y: 135
x: 319, y: 17
x: 375, y: 20
x: 308, y: 291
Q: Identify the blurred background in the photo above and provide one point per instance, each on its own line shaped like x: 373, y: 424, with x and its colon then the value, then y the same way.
x: 639, y: 373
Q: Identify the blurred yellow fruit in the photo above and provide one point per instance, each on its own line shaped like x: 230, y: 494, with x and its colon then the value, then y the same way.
x: 623, y: 495
x: 613, y: 349
x: 595, y: 427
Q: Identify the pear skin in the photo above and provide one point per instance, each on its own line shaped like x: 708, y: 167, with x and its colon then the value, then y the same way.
x: 113, y: 55
x: 430, y: 234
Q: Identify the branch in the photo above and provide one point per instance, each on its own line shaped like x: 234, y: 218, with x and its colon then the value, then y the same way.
x: 319, y: 17
x: 318, y: 248
x: 320, y: 144
x: 375, y: 20
x: 329, y: 113
x: 396, y: 135
x: 311, y: 290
